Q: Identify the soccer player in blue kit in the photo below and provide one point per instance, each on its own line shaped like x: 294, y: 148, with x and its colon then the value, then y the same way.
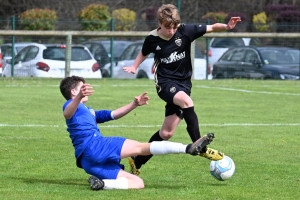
x: 100, y: 156
x: 171, y: 44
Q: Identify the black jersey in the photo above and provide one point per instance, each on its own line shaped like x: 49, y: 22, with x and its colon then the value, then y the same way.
x: 173, y: 56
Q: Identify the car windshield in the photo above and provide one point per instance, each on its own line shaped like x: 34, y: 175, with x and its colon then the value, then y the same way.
x: 118, y: 48
x: 18, y: 49
x: 59, y: 53
x: 6, y: 51
x: 278, y: 56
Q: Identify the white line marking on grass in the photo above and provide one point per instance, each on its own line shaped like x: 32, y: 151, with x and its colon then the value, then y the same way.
x: 131, y: 85
x: 249, y: 124
x: 248, y: 91
x: 151, y: 126
x: 229, y: 124
x: 27, y: 125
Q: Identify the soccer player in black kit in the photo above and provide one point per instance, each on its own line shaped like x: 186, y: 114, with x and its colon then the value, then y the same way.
x: 171, y: 44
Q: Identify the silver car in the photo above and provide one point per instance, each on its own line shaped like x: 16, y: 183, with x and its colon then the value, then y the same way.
x: 126, y: 59
x: 7, y: 49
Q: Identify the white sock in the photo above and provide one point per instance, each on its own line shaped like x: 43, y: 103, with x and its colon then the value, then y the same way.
x: 166, y: 147
x: 119, y: 183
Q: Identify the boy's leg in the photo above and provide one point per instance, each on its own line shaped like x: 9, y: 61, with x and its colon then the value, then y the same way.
x: 193, y: 129
x: 131, y: 147
x: 169, y: 126
x: 140, y: 160
x: 136, y: 162
x: 125, y: 180
x: 192, y: 124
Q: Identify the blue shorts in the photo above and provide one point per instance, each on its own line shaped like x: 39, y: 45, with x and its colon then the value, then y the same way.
x: 102, y: 158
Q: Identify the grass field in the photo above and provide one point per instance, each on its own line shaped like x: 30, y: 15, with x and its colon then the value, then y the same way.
x: 256, y: 123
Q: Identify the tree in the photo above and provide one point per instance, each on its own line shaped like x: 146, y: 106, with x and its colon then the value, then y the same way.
x: 95, y: 17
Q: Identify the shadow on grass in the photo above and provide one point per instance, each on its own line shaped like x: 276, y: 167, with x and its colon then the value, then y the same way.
x: 78, y: 182
x: 172, y: 187
x: 84, y: 183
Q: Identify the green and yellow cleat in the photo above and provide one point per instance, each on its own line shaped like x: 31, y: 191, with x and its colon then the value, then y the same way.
x: 212, y: 154
x: 133, y: 169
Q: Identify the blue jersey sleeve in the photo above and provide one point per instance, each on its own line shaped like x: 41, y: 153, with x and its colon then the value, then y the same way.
x: 103, y: 116
x: 66, y: 103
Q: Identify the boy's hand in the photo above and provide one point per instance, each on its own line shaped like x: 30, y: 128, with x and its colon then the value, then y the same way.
x: 141, y: 99
x: 130, y: 69
x: 232, y: 22
x: 86, y: 90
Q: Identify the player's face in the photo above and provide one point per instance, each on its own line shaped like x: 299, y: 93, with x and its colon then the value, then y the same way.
x: 167, y: 32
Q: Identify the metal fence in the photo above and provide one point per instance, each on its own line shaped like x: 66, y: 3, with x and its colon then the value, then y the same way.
x: 77, y: 37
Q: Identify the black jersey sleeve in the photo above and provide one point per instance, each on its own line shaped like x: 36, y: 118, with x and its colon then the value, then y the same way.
x: 146, y: 50
x: 194, y: 31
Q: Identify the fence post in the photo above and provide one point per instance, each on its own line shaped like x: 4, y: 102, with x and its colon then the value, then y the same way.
x: 68, y: 55
x: 112, y: 28
x: 13, y: 46
x: 207, y: 53
x: 178, y: 5
x: 193, y: 58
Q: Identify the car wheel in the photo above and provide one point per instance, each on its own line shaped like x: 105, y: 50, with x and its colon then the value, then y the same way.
x: 105, y: 74
x: 225, y: 74
x: 141, y: 74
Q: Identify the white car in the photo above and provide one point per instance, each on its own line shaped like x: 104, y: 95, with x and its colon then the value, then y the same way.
x: 45, y: 60
x: 6, y: 52
x: 200, y: 70
x: 218, y: 46
x: 145, y: 70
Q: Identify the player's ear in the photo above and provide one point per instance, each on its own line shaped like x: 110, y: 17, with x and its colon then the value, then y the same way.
x: 74, y: 92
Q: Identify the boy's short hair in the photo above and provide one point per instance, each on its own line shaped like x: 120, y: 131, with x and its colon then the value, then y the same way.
x: 69, y: 83
x: 168, y: 15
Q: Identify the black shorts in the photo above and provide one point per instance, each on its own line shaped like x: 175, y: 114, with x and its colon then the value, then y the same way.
x: 167, y: 90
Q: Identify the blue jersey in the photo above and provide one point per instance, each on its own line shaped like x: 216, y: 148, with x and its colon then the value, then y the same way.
x: 83, y: 128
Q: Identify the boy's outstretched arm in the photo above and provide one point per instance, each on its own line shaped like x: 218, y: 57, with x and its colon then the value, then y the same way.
x: 140, y: 100
x: 219, y: 27
x: 138, y: 60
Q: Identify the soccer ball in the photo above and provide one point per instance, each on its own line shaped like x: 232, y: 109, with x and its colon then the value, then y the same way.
x: 222, y: 169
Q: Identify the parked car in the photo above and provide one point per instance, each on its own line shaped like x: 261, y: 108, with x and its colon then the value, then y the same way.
x: 258, y: 62
x: 6, y: 52
x: 126, y: 59
x: 145, y: 69
x: 1, y: 63
x: 48, y: 60
x: 100, y: 49
x: 200, y: 69
x: 217, y: 46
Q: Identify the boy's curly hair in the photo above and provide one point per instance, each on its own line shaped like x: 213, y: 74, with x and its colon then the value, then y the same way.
x: 168, y: 15
x: 69, y: 83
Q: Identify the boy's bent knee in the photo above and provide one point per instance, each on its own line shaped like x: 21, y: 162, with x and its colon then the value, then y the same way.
x: 136, y: 183
x: 166, y: 134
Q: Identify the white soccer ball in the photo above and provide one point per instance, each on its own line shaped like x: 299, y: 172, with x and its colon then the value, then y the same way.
x: 222, y: 169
